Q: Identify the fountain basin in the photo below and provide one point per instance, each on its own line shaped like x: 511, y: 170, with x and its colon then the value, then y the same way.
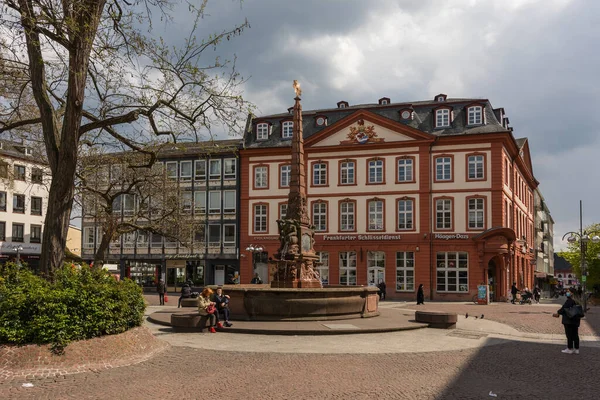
x: 263, y: 303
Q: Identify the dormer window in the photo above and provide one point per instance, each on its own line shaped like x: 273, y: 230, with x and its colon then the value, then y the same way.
x: 262, y: 131
x: 406, y: 114
x: 287, y: 129
x: 442, y: 118
x: 28, y: 151
x: 384, y: 101
x: 474, y: 115
x: 321, y: 120
x: 342, y: 104
x: 440, y: 98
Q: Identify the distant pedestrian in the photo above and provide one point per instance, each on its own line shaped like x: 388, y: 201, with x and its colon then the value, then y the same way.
x: 161, y: 288
x: 256, y: 280
x: 382, y: 289
x: 571, y: 325
x: 514, y: 290
x: 420, y: 295
x: 537, y: 294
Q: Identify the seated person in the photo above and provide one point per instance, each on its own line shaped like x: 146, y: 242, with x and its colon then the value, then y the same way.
x: 256, y: 280
x: 204, y: 301
x: 186, y: 293
x: 222, y: 302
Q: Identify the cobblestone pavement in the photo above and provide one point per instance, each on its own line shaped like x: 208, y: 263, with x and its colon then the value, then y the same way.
x: 513, y: 370
x: 536, y: 318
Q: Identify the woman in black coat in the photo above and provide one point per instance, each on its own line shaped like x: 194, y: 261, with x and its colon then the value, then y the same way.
x: 420, y: 295
x: 571, y: 325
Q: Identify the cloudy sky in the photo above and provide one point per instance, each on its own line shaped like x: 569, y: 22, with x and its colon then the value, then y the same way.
x: 536, y: 58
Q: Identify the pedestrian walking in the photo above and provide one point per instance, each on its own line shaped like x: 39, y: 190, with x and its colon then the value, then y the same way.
x: 382, y: 289
x: 161, y: 288
x: 420, y: 295
x: 571, y: 324
x: 514, y: 290
x: 537, y: 294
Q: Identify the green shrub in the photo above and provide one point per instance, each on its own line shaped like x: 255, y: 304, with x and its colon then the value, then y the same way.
x: 81, y: 303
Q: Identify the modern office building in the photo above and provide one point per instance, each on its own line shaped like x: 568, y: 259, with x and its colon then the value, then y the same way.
x: 436, y: 192
x: 544, y: 243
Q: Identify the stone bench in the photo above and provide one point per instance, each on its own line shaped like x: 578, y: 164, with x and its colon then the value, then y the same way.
x: 189, y: 302
x: 437, y: 319
x: 190, y: 321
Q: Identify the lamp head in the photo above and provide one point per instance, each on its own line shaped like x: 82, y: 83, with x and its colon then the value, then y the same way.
x: 259, y: 249
x: 596, y: 239
x: 571, y: 239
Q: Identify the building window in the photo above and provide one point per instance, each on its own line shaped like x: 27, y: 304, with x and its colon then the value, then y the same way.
x: 214, y: 202
x: 171, y: 167
x: 214, y: 235
x: 229, y: 168
x: 475, y: 168
x: 323, y: 267
x: 261, y: 177
x: 283, y: 207
x: 262, y: 131
x: 2, y: 231
x: 19, y: 172
x: 443, y: 214
x: 229, y: 202
x: 476, y: 213
x: 186, y: 202
x: 348, y: 268
x: 37, y: 175
x: 200, y: 235
x: 405, y: 271
x: 214, y: 172
x: 3, y: 170
x: 142, y: 239
x: 128, y: 204
x: 442, y: 118
x: 199, y: 202
x: 200, y: 170
x: 375, y: 267
x: 321, y: 121
x: 19, y: 203
x: 18, y: 232
x: 88, y: 237
x: 453, y: 272
x: 405, y: 169
x: 129, y: 240
x: 475, y: 115
x: 117, y: 204
x: 260, y: 218
x: 347, y: 172
x: 347, y: 209
x: 443, y: 169
x: 319, y: 174
x: 405, y: 214
x: 319, y: 217
x: 2, y: 201
x: 375, y: 215
x: 157, y: 241
x: 376, y: 171
x: 287, y: 129
x: 284, y: 175
x: 229, y: 235
x: 185, y: 170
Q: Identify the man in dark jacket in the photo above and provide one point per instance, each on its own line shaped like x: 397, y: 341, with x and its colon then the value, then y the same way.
x: 186, y: 293
x: 514, y: 292
x: 571, y: 325
x: 161, y: 288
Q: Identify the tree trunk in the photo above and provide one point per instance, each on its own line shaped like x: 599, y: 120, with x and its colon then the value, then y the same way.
x: 103, y: 248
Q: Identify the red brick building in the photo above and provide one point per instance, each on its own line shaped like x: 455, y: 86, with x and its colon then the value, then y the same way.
x: 437, y: 192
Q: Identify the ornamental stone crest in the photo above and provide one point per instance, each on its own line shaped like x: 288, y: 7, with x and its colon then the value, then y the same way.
x: 362, y: 134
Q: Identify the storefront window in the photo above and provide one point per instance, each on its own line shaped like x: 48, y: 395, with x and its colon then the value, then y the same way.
x: 144, y: 274
x: 375, y: 267
x: 453, y: 272
x: 405, y: 271
x: 323, y: 268
x: 347, y: 265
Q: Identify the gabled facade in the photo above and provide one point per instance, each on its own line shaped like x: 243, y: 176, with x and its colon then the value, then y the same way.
x: 401, y: 193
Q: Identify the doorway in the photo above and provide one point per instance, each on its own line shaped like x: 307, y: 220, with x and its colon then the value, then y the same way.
x: 219, y: 275
x: 492, y: 283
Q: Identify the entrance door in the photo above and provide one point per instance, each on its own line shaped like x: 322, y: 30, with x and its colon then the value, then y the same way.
x: 375, y: 267
x: 175, y: 278
x: 219, y: 275
x: 492, y: 280
x: 263, y: 272
x: 375, y: 275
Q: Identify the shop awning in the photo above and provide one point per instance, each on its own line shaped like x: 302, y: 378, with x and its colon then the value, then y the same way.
x: 541, y: 275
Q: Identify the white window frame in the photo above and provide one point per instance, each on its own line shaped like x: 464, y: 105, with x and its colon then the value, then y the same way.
x: 128, y: 200
x: 287, y: 129
x: 405, y: 271
x: 285, y: 173
x: 375, y: 261
x: 228, y: 243
x: 187, y: 199
x: 215, y: 176
x: 213, y: 195
x: 229, y: 208
x: 319, y: 212
x: 171, y: 166
x: 261, y: 177
x: 449, y: 266
x: 443, y: 169
x: 199, y: 176
x: 232, y: 163
x: 323, y: 267
x: 129, y: 240
x: 219, y: 236
x: 88, y: 237
x: 477, y: 162
x: 405, y: 169
x: 375, y: 215
x: 262, y: 131
x: 406, y: 214
x: 260, y: 218
x: 200, y: 202
x: 442, y: 118
x: 185, y: 175
x: 283, y: 210
x: 319, y: 174
x: 347, y: 264
x: 347, y: 216
x: 475, y: 115
x: 347, y: 173
x: 443, y: 213
x: 376, y: 171
x: 476, y: 208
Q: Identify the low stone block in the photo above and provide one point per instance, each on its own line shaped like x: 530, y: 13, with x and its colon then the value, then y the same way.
x: 437, y: 319
x: 190, y: 321
x: 189, y: 302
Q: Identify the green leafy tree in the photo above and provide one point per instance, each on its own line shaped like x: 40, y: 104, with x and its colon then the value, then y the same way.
x: 573, y: 256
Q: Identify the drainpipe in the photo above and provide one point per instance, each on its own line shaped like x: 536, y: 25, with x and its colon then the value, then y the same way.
x: 431, y: 210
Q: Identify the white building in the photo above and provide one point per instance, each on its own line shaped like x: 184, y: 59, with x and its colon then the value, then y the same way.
x: 24, y: 182
x: 544, y: 242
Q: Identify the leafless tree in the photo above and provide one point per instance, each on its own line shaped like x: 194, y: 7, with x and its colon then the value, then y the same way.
x: 91, y: 73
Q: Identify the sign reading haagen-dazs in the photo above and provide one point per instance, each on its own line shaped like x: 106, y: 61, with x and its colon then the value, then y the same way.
x: 450, y: 236
x: 361, y: 237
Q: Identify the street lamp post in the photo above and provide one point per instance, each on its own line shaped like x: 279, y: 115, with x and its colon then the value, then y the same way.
x: 18, y: 249
x: 584, y: 237
x: 254, y: 250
